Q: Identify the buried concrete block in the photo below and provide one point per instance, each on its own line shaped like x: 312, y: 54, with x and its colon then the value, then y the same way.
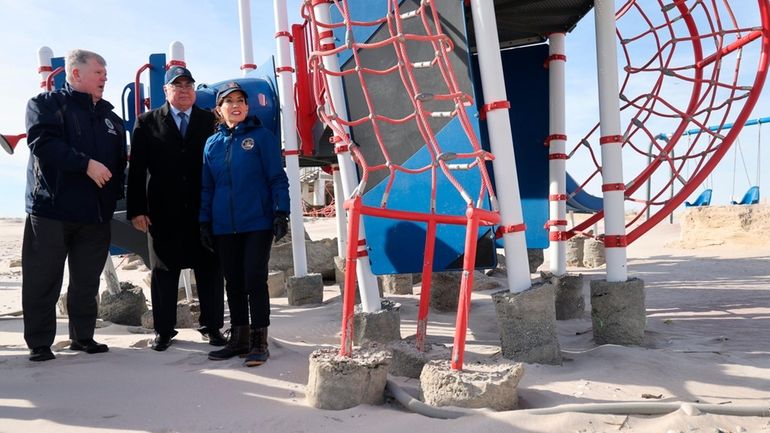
x: 305, y: 290
x: 618, y: 312
x: 276, y: 284
x: 570, y: 302
x: 382, y: 326
x: 396, y: 284
x: 486, y: 384
x: 445, y: 288
x: 408, y: 361
x: 593, y: 253
x: 574, y: 251
x: 527, y: 323
x: 125, y: 307
x: 187, y: 315
x: 336, y: 382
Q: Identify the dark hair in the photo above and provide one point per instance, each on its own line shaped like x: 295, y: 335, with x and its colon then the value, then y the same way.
x: 220, y: 119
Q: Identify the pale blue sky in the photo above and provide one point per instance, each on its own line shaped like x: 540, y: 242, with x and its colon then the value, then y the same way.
x: 126, y: 33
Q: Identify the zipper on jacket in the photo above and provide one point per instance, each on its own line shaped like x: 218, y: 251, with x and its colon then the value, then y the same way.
x: 228, y: 161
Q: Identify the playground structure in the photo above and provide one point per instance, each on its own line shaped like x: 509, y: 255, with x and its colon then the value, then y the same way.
x: 695, y: 46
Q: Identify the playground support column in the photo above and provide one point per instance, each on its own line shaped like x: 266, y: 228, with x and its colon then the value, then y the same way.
x: 370, y: 298
x: 611, y: 141
x: 339, y: 210
x: 557, y: 160
x: 288, y: 115
x: 44, y: 55
x: 247, y: 50
x: 501, y: 143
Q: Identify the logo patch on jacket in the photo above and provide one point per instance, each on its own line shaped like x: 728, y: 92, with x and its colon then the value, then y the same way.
x: 110, y: 127
x: 247, y: 143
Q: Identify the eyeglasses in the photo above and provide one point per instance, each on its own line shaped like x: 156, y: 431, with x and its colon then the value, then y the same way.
x: 182, y: 86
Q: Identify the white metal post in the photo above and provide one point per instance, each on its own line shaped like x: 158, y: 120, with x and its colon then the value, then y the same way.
x: 44, y: 55
x: 557, y: 157
x: 367, y: 283
x: 176, y: 53
x: 339, y: 209
x: 611, y: 141
x: 289, y: 134
x: 501, y: 143
x: 247, y: 49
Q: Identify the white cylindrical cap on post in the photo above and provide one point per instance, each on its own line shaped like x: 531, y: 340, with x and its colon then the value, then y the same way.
x: 44, y: 56
x: 176, y: 52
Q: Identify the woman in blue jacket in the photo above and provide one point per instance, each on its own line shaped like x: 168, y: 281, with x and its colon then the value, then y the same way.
x: 244, y: 205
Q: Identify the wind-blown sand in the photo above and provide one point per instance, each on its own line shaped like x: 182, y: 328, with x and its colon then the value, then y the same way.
x: 707, y: 341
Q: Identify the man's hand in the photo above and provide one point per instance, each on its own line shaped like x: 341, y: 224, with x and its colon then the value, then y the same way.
x: 141, y: 223
x: 280, y: 225
x: 98, y: 172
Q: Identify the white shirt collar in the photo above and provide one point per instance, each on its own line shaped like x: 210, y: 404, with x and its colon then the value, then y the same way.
x: 176, y: 112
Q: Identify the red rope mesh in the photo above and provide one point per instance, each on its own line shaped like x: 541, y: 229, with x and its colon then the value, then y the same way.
x: 688, y: 65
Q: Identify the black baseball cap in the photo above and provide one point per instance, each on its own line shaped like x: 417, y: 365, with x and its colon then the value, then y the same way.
x: 229, y: 88
x: 175, y: 72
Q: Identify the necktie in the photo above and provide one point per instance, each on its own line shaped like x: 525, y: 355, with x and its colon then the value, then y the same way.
x: 183, y: 123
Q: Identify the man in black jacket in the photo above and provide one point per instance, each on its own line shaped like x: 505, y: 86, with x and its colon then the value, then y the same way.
x: 74, y: 178
x: 167, y: 144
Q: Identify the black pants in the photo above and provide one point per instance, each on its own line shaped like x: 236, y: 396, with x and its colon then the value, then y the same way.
x: 165, y: 288
x: 47, y: 244
x: 244, y: 258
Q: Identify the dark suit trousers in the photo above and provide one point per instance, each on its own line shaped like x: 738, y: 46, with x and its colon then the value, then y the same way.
x: 47, y: 244
x: 165, y: 289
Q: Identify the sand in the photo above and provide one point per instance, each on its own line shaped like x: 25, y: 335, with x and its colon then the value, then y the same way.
x: 707, y: 340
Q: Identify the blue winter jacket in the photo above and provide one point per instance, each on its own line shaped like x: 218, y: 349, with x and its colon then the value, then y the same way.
x: 64, y: 130
x: 243, y: 182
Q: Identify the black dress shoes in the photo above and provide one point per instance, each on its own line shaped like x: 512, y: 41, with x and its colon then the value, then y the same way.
x: 163, y: 341
x: 88, y: 346
x: 214, y: 336
x: 42, y: 353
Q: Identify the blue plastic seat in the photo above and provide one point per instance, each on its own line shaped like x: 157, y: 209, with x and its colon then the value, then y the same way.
x: 751, y: 196
x: 704, y: 199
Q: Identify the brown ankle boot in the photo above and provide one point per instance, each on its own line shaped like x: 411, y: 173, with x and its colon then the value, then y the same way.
x: 258, y: 353
x: 238, y: 344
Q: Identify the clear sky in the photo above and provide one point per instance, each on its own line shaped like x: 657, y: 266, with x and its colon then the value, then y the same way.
x: 127, y: 32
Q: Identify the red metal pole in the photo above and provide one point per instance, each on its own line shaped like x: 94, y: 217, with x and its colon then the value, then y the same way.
x: 466, y: 286
x: 49, y: 80
x: 427, y: 275
x: 349, y: 299
x: 137, y: 99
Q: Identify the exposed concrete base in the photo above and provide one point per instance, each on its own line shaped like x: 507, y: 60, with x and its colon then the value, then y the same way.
x: 479, y: 385
x: 408, y: 361
x: 276, y: 284
x: 527, y: 323
x: 383, y: 326
x: 305, y: 290
x: 536, y: 258
x: 570, y: 302
x: 185, y: 316
x: 593, y: 253
x: 337, y: 382
x: 575, y: 251
x: 339, y: 270
x: 396, y: 284
x: 618, y: 311
x: 445, y: 288
x: 124, y: 308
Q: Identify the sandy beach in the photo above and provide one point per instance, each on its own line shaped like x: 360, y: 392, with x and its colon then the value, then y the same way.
x: 706, y: 341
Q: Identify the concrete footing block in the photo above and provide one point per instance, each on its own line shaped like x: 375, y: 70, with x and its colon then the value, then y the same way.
x: 489, y: 384
x: 618, y: 311
x: 336, y: 382
x: 339, y: 270
x: 396, y: 284
x: 305, y: 290
x: 382, y: 326
x: 125, y: 307
x: 593, y: 253
x: 570, y: 302
x: 408, y: 361
x: 527, y: 323
x: 276, y: 284
x: 574, y: 251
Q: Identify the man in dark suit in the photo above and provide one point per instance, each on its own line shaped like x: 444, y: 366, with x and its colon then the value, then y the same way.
x: 167, y: 144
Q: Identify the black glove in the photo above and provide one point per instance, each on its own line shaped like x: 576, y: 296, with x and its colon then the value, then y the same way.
x: 280, y: 225
x: 207, y: 237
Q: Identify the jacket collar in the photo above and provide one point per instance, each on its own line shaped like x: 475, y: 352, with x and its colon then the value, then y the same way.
x: 251, y: 122
x: 85, y: 99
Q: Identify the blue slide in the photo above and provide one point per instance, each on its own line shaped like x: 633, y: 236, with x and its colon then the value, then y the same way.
x: 582, y: 201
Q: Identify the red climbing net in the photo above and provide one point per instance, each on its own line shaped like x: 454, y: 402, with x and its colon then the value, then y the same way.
x: 693, y: 69
x: 426, y: 104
